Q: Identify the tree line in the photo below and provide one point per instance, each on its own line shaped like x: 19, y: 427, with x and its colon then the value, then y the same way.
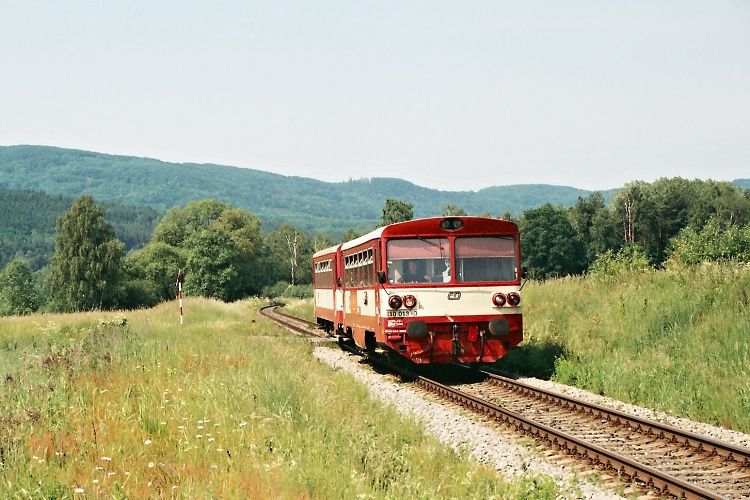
x: 221, y: 250
x: 225, y: 254
x: 652, y: 220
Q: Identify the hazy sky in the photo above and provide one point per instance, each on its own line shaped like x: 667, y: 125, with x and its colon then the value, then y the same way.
x: 451, y: 95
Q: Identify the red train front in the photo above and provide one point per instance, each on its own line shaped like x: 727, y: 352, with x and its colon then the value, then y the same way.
x: 433, y: 290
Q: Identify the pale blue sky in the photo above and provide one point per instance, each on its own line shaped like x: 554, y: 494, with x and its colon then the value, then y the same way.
x: 451, y: 95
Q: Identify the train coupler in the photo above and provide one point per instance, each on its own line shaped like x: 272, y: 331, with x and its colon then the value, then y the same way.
x: 456, y: 343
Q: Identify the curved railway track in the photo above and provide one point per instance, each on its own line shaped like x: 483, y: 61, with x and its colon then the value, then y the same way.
x: 654, y: 456
x: 297, y: 325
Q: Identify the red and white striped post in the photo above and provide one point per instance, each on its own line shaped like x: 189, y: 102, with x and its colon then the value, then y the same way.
x: 180, y: 278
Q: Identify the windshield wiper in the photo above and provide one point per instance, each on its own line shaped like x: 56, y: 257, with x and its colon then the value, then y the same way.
x: 440, y: 247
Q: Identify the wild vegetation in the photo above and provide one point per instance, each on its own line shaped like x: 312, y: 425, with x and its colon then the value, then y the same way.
x: 674, y: 339
x: 134, y: 406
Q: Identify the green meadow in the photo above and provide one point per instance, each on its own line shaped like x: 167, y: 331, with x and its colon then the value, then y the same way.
x: 132, y: 405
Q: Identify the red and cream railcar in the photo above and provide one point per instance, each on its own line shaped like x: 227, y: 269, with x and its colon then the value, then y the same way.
x: 327, y: 293
x: 433, y: 290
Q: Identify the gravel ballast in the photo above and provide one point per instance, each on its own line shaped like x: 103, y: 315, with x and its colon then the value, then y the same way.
x: 488, y: 445
x: 729, y: 436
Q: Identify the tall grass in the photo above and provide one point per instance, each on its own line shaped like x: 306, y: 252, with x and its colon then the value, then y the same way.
x: 103, y: 404
x: 303, y: 308
x: 677, y: 340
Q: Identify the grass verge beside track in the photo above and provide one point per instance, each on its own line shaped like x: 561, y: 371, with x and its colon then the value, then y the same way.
x: 676, y: 340
x: 133, y: 405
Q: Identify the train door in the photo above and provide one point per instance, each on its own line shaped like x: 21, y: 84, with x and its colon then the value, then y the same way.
x: 338, y: 294
x: 376, y: 285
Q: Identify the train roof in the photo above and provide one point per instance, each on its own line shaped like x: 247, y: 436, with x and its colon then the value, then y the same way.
x: 432, y: 225
x: 364, y: 238
x: 326, y: 251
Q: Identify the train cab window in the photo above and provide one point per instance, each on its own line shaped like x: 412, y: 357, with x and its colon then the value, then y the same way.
x: 486, y: 258
x: 418, y: 260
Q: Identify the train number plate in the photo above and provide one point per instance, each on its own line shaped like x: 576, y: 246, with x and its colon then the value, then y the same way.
x: 401, y: 313
x: 454, y: 295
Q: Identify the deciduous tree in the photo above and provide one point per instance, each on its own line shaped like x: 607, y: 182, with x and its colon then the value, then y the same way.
x: 549, y: 244
x: 86, y: 266
x: 593, y: 224
x: 450, y: 209
x: 18, y: 294
x: 158, y: 263
x: 396, y: 211
x: 291, y: 252
x: 222, y: 248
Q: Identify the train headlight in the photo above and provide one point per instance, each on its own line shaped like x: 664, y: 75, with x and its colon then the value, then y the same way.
x: 395, y: 302
x: 499, y: 327
x: 499, y: 299
x: 514, y: 299
x: 410, y: 301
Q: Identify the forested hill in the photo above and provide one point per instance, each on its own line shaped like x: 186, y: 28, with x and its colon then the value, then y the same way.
x: 306, y: 203
x: 27, y: 224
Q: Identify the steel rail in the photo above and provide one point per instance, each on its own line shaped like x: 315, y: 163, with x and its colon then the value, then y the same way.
x: 273, y: 316
x: 739, y: 454
x: 653, y: 478
x: 296, y: 318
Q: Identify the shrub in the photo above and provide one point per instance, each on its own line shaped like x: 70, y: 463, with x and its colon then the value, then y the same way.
x: 629, y: 259
x: 139, y: 293
x: 713, y: 243
x: 18, y: 294
x: 284, y: 289
x: 275, y: 290
x: 298, y: 291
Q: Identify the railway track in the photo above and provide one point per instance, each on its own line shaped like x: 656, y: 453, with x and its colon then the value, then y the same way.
x: 656, y: 456
x: 297, y: 325
x: 652, y: 455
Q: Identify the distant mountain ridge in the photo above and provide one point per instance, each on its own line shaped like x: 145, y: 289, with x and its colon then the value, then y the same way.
x: 310, y: 204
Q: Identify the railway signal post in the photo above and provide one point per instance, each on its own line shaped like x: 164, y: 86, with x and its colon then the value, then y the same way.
x: 180, y: 279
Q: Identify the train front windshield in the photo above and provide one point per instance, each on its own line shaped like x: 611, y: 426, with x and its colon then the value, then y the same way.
x: 429, y: 260
x: 419, y: 260
x: 486, y: 258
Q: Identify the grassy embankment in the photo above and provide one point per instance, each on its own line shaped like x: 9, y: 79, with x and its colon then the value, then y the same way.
x: 675, y: 340
x: 95, y: 407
